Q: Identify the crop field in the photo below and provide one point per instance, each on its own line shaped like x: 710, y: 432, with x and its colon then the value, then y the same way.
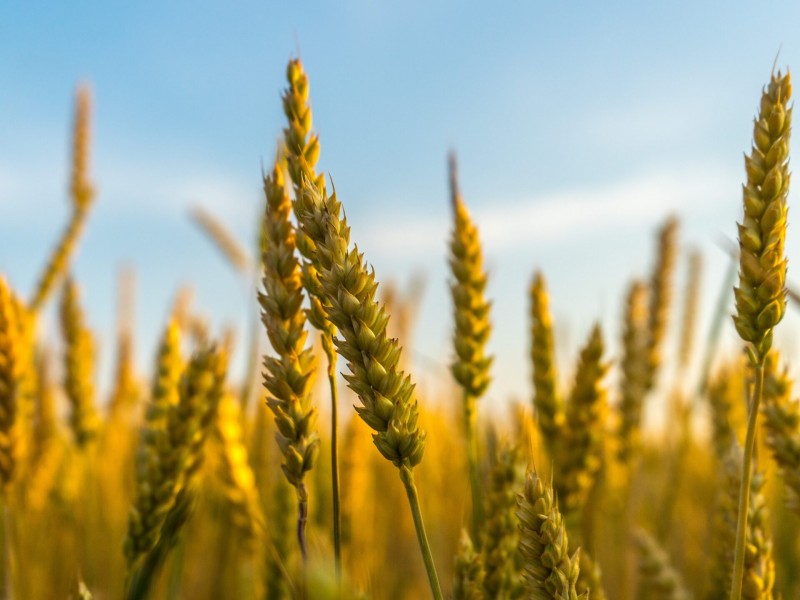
x: 320, y: 470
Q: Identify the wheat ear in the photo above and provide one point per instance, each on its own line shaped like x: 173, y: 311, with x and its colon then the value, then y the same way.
x: 546, y: 403
x: 302, y: 149
x: 126, y: 388
x: 633, y: 366
x: 500, y: 531
x: 719, y: 393
x: 289, y: 376
x: 152, y: 502
x: 79, y: 367
x: 222, y: 239
x: 468, y: 580
x: 470, y: 366
x: 658, y: 579
x: 181, y: 453
x: 581, y: 457
x: 238, y: 480
x: 761, y: 294
x: 82, y: 194
x: 550, y: 573
x: 660, y: 298
x: 782, y: 426
x: 385, y: 392
x: 9, y: 380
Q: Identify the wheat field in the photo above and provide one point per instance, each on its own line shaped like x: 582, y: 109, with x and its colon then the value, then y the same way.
x: 190, y: 479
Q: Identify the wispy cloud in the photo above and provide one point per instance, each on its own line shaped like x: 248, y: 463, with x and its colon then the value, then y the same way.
x: 561, y: 215
x: 153, y: 190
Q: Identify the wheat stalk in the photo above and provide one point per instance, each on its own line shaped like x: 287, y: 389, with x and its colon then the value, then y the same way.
x: 694, y: 276
x: 470, y: 366
x: 761, y: 294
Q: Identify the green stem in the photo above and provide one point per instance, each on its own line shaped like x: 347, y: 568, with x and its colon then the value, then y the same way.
x: 470, y: 420
x: 407, y: 476
x: 302, y: 518
x: 673, y: 487
x: 744, y: 490
x: 176, y: 570
x: 337, y: 520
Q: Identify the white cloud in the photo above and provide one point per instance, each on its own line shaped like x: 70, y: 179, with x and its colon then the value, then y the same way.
x: 561, y: 215
x: 150, y: 189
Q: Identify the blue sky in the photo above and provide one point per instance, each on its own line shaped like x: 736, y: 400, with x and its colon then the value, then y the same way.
x: 579, y: 128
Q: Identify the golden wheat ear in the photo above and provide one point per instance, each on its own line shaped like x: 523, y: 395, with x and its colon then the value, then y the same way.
x: 82, y: 194
x: 546, y: 401
x: 289, y: 374
x: 9, y: 381
x: 79, y: 365
x: 470, y: 366
x: 761, y: 293
x: 547, y: 568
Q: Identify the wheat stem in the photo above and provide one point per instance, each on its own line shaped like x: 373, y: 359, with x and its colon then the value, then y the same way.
x: 471, y: 423
x: 330, y: 351
x: 407, y: 476
x: 744, y: 489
